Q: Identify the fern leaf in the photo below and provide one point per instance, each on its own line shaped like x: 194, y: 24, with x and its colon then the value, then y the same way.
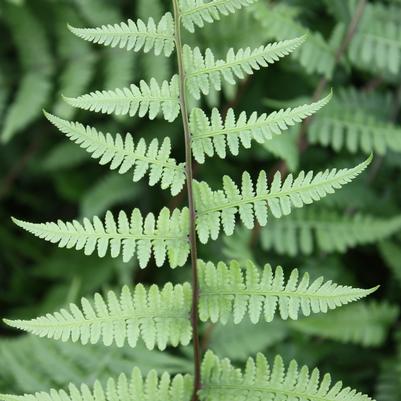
x: 197, y: 12
x: 325, y: 230
x: 227, y: 290
x: 26, y: 28
x: 210, y: 136
x: 153, y: 66
x: 219, y: 208
x: 159, y: 317
x: 132, y: 388
x: 367, y: 324
x: 376, y: 45
x: 31, y: 96
x: 122, y: 154
x: 221, y: 382
x: 77, y: 58
x: 388, y: 381
x: 280, y: 22
x: 168, y: 235
x: 204, y: 72
x: 134, y: 35
x: 37, y: 64
x: 354, y: 128
x: 21, y: 363
x: 143, y: 99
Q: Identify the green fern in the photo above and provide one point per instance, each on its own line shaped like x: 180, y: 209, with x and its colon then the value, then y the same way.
x: 22, y: 367
x: 325, y: 230
x: 204, y: 72
x: 367, y: 324
x: 144, y: 99
x: 31, y: 96
x: 162, y: 317
x: 259, y: 380
x: 216, y: 209
x: 215, y: 135
x: 388, y: 382
x: 226, y: 290
x: 123, y: 154
x: 134, y: 36
x: 343, y: 124
x: 168, y: 234
x: 197, y: 12
x: 168, y: 316
x: 280, y: 22
x: 153, y: 66
x: 135, y: 388
x: 77, y: 57
x: 376, y: 45
x: 37, y: 67
x: 159, y: 317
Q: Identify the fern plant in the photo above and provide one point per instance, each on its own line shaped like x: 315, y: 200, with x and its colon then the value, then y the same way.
x: 171, y: 315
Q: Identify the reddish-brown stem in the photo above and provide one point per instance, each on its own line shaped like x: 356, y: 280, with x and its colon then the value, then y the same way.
x: 191, y: 203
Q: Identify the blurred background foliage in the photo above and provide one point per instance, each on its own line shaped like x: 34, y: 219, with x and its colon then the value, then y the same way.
x: 352, y: 237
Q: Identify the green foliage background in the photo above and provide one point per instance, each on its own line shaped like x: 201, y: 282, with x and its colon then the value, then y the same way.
x: 355, y: 235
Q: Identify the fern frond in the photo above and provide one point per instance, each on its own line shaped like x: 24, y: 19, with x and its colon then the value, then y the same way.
x: 231, y: 290
x: 31, y: 96
x: 210, y: 136
x: 22, y: 367
x: 143, y: 237
x: 77, y: 58
x: 143, y: 99
x: 219, y: 208
x: 367, y: 324
x: 325, y: 230
x: 134, y: 35
x: 123, y: 154
x: 153, y: 66
x: 354, y: 128
x: 197, y: 12
x: 280, y: 22
x: 388, y: 381
x: 376, y: 45
x: 133, y: 388
x: 221, y: 382
x: 159, y: 317
x: 203, y: 72
x: 37, y: 63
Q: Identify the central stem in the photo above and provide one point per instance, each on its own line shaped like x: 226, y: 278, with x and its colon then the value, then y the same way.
x: 191, y: 204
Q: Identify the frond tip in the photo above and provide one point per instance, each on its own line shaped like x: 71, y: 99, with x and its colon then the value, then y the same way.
x: 216, y: 209
x: 210, y: 136
x: 134, y: 388
x: 144, y: 99
x: 143, y: 237
x: 227, y: 290
x: 159, y: 317
x: 123, y: 154
x: 222, y: 382
x: 133, y: 35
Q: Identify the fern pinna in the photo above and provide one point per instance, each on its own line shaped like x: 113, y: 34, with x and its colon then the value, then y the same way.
x: 170, y: 316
